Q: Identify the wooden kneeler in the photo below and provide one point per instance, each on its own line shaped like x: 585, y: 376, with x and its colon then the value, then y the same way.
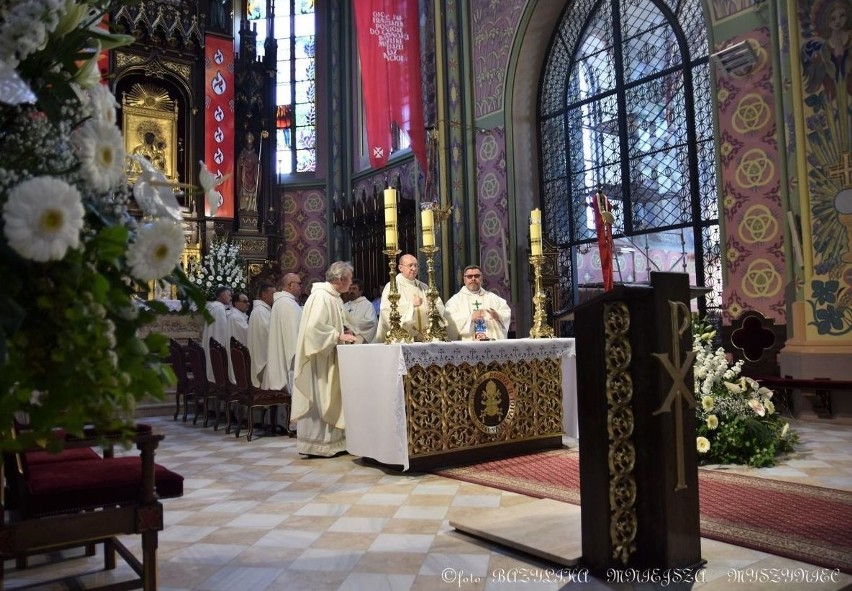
x: 81, y: 501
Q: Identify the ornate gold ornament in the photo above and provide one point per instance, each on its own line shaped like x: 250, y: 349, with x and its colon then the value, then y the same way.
x: 622, y: 453
x: 491, y: 403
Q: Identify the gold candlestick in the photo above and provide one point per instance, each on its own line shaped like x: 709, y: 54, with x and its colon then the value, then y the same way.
x: 540, y: 329
x: 436, y: 331
x: 395, y: 334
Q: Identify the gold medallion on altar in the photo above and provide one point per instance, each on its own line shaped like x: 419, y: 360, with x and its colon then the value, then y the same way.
x: 491, y: 402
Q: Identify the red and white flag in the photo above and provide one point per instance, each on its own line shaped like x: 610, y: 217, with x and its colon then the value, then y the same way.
x: 389, y: 47
x: 219, y: 118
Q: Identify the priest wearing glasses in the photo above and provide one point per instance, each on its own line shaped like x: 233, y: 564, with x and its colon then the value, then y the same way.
x: 475, y: 313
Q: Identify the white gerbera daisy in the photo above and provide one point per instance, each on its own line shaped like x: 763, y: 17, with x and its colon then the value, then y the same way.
x: 101, y: 152
x: 156, y: 250
x: 43, y: 218
x: 102, y: 103
x: 702, y: 444
x: 712, y: 421
x: 707, y: 403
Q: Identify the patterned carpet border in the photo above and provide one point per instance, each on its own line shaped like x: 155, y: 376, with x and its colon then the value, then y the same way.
x: 796, y: 521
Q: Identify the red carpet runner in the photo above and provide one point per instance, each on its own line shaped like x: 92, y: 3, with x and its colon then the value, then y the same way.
x: 796, y: 521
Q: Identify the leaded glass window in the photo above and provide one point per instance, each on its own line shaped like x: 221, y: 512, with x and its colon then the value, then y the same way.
x: 625, y: 106
x: 295, y: 95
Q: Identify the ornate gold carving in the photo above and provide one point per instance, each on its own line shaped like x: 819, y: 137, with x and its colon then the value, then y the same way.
x: 250, y: 246
x: 440, y: 411
x: 182, y: 70
x: 124, y: 60
x: 620, y: 423
x: 680, y: 319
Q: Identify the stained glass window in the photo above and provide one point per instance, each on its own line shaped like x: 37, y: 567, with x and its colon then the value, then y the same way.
x: 295, y: 93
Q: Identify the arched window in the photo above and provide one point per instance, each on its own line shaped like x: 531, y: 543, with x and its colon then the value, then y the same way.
x: 625, y: 106
x: 295, y: 94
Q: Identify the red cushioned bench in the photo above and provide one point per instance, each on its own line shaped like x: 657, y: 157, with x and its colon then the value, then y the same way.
x: 81, y: 498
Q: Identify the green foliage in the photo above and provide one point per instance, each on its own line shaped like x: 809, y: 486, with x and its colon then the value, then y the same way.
x: 737, y: 421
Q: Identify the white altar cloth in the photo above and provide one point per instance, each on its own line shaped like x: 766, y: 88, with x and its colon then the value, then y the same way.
x: 371, y: 377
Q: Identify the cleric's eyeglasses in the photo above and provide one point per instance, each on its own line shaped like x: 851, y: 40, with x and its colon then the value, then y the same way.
x: 477, y: 276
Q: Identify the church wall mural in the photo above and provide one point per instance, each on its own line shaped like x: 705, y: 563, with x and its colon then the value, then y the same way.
x: 825, y: 54
x: 751, y: 187
x: 493, y: 27
x: 304, y: 225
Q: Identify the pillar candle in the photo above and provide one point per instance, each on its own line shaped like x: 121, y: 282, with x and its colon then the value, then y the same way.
x: 390, y: 206
x: 535, y: 232
x: 427, y: 220
x: 535, y: 216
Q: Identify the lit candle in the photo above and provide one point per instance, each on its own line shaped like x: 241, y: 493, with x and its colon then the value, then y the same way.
x: 427, y: 220
x: 535, y: 216
x: 390, y: 219
x: 535, y: 232
x: 390, y: 206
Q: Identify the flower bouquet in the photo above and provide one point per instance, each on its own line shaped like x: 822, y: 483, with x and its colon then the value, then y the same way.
x: 737, y: 420
x: 74, y: 261
x: 222, y: 265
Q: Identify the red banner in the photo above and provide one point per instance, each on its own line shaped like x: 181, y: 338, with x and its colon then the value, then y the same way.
x: 389, y: 47
x: 219, y: 118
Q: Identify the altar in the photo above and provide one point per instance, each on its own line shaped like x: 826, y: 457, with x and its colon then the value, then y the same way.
x: 421, y: 405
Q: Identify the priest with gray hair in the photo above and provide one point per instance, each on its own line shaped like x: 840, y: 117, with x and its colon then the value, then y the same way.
x: 317, y: 398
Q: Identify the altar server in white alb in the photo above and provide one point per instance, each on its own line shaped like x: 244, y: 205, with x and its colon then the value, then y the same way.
x: 475, y: 313
x: 317, y: 398
x: 413, y: 307
x: 362, y: 315
x: 283, y: 332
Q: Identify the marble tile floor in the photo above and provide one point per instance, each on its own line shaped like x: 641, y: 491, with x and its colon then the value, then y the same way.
x: 256, y: 516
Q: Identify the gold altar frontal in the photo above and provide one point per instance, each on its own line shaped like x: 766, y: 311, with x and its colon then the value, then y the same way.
x: 425, y: 405
x: 454, y: 408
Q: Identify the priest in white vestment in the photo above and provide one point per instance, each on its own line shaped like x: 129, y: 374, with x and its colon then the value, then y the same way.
x: 362, y: 316
x: 473, y: 306
x: 258, y: 332
x: 317, y: 398
x: 220, y: 328
x: 413, y: 306
x: 283, y: 331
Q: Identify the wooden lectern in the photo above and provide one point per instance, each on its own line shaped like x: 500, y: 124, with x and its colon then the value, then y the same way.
x: 636, y: 406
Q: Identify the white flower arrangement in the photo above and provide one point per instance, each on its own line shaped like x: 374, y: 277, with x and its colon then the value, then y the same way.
x: 72, y: 257
x: 737, y: 421
x: 222, y: 265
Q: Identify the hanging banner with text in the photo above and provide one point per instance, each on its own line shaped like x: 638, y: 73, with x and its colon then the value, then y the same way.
x: 389, y: 48
x: 219, y: 118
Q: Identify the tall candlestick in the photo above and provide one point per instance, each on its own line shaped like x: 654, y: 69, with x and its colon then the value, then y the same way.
x: 427, y: 220
x: 390, y: 237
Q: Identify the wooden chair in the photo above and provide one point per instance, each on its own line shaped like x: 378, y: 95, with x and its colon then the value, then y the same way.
x: 197, y: 377
x: 178, y: 361
x: 251, y: 397
x: 78, y: 498
x: 223, y: 394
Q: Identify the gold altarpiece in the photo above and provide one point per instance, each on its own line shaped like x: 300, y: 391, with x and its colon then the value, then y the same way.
x: 150, y: 124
